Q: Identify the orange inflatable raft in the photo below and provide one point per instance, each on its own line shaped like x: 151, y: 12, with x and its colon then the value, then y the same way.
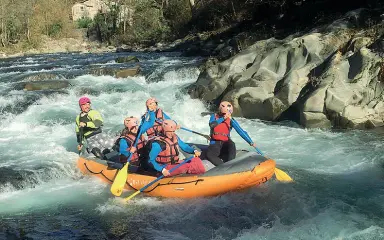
x: 246, y: 170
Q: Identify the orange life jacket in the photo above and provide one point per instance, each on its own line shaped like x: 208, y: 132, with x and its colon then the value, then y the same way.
x: 222, y: 130
x: 156, y: 129
x: 171, y: 152
x: 130, y: 137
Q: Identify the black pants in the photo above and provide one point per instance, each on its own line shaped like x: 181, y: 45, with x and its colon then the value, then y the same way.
x: 221, y: 152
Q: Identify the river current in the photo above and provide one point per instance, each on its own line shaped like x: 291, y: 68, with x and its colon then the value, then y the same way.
x: 338, y: 191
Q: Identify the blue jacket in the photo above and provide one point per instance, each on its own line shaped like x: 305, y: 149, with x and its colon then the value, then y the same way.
x: 124, y: 144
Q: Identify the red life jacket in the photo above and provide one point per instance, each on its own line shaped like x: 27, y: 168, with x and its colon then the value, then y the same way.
x: 222, y: 130
x: 156, y: 129
x: 171, y: 153
x: 130, y: 137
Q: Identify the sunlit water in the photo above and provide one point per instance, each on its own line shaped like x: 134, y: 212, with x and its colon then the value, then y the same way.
x: 338, y: 191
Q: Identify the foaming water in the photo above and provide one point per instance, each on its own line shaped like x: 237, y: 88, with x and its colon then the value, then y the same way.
x: 337, y: 194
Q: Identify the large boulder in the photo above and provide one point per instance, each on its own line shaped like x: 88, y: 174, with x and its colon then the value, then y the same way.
x: 329, y: 76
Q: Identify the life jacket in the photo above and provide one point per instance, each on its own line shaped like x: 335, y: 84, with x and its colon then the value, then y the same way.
x: 156, y: 129
x: 222, y: 130
x: 88, y: 117
x: 170, y: 155
x: 130, y: 137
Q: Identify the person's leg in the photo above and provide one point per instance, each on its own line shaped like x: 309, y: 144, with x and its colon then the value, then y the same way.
x: 94, y: 146
x: 213, y: 153
x: 195, y: 166
x: 229, y: 150
x: 181, y: 170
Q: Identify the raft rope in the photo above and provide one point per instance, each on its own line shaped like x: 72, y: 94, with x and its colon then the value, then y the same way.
x: 158, y: 185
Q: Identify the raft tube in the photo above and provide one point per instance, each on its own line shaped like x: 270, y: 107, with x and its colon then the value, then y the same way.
x: 248, y: 169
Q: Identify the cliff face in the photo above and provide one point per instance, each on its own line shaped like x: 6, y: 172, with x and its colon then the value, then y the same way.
x: 330, y: 75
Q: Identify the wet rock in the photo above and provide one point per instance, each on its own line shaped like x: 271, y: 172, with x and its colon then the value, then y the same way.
x: 41, y: 77
x: 129, y: 72
x: 127, y: 59
x: 115, y: 72
x: 43, y: 85
x: 320, y: 79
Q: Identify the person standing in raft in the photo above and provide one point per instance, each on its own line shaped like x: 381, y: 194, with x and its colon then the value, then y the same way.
x: 162, y: 153
x: 221, y: 144
x: 124, y: 144
x: 89, y: 125
x: 160, y: 116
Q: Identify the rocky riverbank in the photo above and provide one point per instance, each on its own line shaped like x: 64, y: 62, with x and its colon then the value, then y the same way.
x: 329, y: 76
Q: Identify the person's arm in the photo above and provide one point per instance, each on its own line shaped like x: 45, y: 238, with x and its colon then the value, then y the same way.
x: 213, y: 122
x: 96, y: 120
x: 148, y: 124
x: 155, y: 150
x: 123, y: 147
x: 77, y: 130
x: 185, y: 147
x: 241, y: 131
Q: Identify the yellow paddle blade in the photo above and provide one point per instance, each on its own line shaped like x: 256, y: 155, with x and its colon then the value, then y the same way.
x: 282, y: 176
x: 132, y: 195
x: 119, y: 182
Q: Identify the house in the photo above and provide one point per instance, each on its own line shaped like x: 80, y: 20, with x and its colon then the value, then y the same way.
x: 88, y: 9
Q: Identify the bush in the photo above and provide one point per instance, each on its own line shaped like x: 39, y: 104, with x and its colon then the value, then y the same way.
x: 84, y: 22
x: 54, y: 29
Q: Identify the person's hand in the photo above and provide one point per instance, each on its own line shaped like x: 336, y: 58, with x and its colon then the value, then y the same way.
x: 79, y: 147
x: 197, y: 153
x: 133, y: 149
x: 83, y: 124
x: 178, y: 126
x: 253, y: 144
x: 165, y: 172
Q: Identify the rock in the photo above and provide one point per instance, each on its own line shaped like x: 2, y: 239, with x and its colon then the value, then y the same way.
x: 316, y: 79
x: 127, y: 59
x: 102, y: 71
x: 115, y: 72
x: 314, y: 120
x: 41, y: 77
x: 43, y: 85
x: 129, y: 72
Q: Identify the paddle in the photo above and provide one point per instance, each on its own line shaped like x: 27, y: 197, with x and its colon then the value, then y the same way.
x: 121, y: 177
x: 280, y: 174
x: 203, y: 135
x: 157, y: 179
x: 189, y: 130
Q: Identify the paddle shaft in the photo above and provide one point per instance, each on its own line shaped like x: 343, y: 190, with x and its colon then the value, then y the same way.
x: 136, y: 139
x: 189, y: 130
x: 157, y: 179
x: 203, y: 135
x: 121, y: 177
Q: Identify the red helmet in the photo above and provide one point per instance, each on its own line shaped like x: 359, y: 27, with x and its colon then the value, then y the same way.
x: 131, y: 122
x: 84, y: 100
x: 226, y: 107
x: 150, y: 101
x: 169, y: 126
